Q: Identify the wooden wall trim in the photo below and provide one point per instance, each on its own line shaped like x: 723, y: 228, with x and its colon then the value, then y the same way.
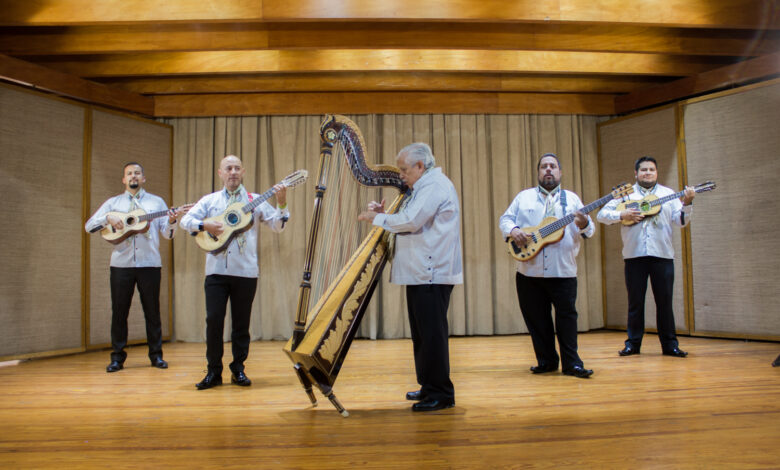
x: 46, y: 79
x: 731, y: 75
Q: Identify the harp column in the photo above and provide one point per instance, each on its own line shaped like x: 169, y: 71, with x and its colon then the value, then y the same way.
x: 328, y: 138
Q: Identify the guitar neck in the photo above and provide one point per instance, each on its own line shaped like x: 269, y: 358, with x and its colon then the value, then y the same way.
x: 567, y: 219
x: 152, y: 215
x: 676, y: 195
x: 250, y: 206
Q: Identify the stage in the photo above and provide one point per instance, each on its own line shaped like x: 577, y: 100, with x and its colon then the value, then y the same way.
x: 718, y: 408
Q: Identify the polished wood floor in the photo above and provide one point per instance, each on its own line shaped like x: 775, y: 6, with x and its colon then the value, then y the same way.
x: 718, y: 408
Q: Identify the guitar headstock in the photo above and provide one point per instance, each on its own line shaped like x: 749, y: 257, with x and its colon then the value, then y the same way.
x: 706, y: 186
x: 295, y: 178
x: 622, y: 190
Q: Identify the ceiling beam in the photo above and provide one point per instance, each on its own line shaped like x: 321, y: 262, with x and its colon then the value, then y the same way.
x: 362, y: 60
x: 382, y: 103
x: 756, y: 69
x: 384, y: 81
x: 340, y: 35
x: 700, y: 13
x: 43, y: 78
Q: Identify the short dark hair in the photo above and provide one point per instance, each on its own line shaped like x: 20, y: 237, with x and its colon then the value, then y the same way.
x: 539, y: 163
x: 646, y: 158
x: 132, y: 163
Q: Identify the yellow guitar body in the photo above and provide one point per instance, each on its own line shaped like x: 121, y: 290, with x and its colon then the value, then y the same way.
x: 233, y: 220
x: 536, y: 242
x: 133, y: 225
x: 643, y: 205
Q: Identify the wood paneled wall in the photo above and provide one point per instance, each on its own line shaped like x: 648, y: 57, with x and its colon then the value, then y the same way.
x: 60, y: 161
x: 726, y: 281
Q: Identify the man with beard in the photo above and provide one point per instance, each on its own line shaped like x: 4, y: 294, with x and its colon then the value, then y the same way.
x: 428, y: 262
x: 648, y: 252
x: 135, y: 261
x: 550, y: 278
x: 232, y: 273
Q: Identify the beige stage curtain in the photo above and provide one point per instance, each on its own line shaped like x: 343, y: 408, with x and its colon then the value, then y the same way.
x: 489, y: 159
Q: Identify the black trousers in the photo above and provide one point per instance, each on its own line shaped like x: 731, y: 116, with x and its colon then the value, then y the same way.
x: 241, y: 292
x: 661, y: 274
x: 123, y: 282
x: 537, y: 296
x: 427, y: 305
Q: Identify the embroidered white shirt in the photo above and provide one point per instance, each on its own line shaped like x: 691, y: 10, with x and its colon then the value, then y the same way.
x: 653, y: 235
x: 427, y: 247
x: 141, y: 250
x: 232, y: 262
x: 558, y: 259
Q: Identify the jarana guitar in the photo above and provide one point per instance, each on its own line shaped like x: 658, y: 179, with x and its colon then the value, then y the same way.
x: 650, y: 205
x: 551, y: 230
x: 136, y: 221
x: 238, y: 218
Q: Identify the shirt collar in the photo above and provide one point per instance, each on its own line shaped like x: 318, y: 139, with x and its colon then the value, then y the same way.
x: 138, y: 196
x: 239, y: 191
x: 544, y: 193
x: 645, y: 192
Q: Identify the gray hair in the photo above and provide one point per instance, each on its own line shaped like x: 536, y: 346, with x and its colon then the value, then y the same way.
x: 418, y: 152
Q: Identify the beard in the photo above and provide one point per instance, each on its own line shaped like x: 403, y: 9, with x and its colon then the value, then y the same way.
x: 549, y: 184
x: 647, y: 184
x: 133, y: 184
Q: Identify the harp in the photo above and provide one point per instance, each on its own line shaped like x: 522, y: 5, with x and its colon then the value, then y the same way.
x: 339, y: 289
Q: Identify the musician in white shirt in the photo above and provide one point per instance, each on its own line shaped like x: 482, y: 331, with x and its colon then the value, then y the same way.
x: 648, y: 252
x: 550, y: 278
x: 232, y: 273
x: 135, y: 261
x: 428, y: 262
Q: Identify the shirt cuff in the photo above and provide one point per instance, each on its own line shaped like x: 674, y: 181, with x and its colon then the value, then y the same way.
x: 687, y: 209
x: 379, y: 220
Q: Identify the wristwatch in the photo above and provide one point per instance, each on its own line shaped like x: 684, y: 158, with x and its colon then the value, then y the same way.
x: 200, y: 227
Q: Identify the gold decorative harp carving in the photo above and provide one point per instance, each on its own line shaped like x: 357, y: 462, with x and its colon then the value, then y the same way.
x: 339, y: 289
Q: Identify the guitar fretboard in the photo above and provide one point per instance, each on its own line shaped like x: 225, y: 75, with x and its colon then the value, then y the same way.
x: 566, y: 220
x: 250, y: 206
x: 152, y: 215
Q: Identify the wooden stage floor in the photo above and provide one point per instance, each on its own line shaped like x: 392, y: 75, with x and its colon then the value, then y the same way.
x: 718, y: 408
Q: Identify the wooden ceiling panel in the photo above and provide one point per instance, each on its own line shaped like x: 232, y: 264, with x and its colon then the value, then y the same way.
x: 167, y: 37
x: 693, y: 13
x: 309, y: 56
x: 362, y: 60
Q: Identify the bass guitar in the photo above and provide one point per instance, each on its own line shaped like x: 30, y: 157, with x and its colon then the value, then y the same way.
x: 136, y: 221
x: 238, y: 217
x: 650, y: 205
x: 551, y: 230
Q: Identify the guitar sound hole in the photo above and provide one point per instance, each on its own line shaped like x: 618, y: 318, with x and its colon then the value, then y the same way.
x: 232, y: 218
x: 130, y: 221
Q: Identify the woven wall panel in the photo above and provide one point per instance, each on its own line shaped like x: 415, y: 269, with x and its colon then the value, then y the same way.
x: 116, y: 140
x: 40, y: 186
x: 734, y: 140
x: 622, y: 142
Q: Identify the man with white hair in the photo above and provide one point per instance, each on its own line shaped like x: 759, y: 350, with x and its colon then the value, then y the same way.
x: 428, y: 262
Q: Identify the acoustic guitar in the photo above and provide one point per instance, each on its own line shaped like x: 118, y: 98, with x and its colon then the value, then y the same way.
x: 238, y: 217
x: 650, y: 205
x: 136, y: 221
x: 551, y: 230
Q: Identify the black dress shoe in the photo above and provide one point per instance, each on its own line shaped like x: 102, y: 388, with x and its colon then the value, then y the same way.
x: 579, y: 371
x: 241, y: 379
x: 430, y: 404
x: 159, y: 363
x: 210, y: 380
x: 541, y: 369
x: 114, y: 366
x: 777, y: 362
x: 415, y: 396
x: 676, y: 352
x: 629, y: 350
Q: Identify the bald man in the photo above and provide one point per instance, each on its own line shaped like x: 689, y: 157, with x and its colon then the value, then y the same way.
x: 232, y: 273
